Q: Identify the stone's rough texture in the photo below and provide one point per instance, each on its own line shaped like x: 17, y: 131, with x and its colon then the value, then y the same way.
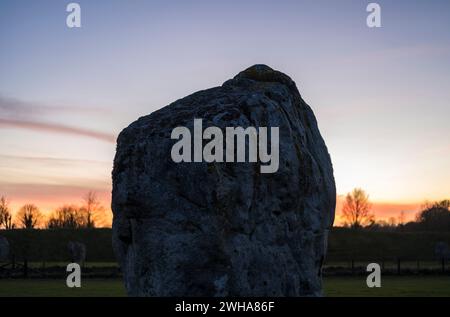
x: 4, y: 249
x: 224, y: 229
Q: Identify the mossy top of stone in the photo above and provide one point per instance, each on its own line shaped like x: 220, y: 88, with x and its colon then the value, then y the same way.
x: 264, y: 73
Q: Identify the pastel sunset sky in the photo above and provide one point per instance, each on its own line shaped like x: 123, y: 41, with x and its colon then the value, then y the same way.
x: 381, y: 96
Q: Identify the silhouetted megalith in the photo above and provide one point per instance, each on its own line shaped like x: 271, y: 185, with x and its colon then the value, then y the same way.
x: 224, y: 229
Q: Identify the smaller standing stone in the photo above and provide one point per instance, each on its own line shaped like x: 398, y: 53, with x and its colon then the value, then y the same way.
x: 4, y: 249
x: 77, y: 251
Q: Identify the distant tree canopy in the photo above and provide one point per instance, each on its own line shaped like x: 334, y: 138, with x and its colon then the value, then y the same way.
x: 356, y: 210
x: 434, y: 217
x: 67, y: 216
x: 89, y: 214
x: 74, y: 217
x: 29, y: 217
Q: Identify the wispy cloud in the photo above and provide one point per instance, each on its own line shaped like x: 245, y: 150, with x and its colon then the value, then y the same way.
x: 24, y: 115
x: 56, y: 128
x: 50, y: 160
x: 16, y: 108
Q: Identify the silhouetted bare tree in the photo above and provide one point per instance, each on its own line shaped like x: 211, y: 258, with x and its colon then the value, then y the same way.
x: 356, y: 210
x: 67, y: 216
x: 71, y: 216
x: 29, y: 217
x: 401, y: 218
x: 5, y: 214
x: 92, y: 209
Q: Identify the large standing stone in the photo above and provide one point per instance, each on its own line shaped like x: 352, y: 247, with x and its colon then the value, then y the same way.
x: 224, y: 229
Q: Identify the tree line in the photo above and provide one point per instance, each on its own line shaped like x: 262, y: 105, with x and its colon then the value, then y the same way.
x: 357, y: 214
x: 70, y: 216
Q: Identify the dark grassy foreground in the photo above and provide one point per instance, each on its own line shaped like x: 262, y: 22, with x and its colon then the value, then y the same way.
x: 57, y: 287
x: 400, y: 286
x: 333, y: 286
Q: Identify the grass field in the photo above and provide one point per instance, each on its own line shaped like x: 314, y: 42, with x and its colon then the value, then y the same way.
x: 402, y: 286
x: 56, y: 287
x: 333, y: 286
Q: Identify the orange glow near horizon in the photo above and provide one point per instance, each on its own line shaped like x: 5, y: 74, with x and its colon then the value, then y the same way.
x: 48, y: 198
x: 383, y: 210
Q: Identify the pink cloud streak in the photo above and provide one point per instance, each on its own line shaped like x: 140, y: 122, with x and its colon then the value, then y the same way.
x: 56, y: 128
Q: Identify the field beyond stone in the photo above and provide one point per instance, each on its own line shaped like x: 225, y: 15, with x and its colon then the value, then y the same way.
x: 333, y: 286
x: 349, y: 252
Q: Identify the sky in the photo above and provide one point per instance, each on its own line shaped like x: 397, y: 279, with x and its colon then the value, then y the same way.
x: 380, y: 95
